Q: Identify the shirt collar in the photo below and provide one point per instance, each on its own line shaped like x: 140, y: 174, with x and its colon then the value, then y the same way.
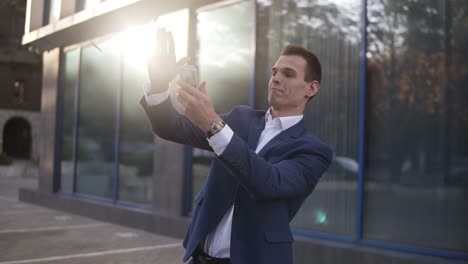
x: 285, y: 121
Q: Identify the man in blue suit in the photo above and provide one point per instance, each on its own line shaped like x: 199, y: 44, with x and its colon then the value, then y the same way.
x: 266, y: 164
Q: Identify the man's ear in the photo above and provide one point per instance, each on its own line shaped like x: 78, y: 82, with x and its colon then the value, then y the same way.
x: 312, y: 88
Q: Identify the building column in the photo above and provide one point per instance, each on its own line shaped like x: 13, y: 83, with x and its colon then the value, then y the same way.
x: 50, y: 77
x: 168, y: 178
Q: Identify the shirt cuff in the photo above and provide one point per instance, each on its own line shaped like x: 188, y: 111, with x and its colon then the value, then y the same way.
x: 154, y: 99
x: 220, y: 140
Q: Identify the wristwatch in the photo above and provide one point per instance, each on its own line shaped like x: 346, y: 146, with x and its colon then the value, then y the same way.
x: 215, y: 128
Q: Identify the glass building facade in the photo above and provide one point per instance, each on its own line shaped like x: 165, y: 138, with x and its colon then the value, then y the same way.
x: 100, y: 111
x: 393, y: 106
x: 107, y: 146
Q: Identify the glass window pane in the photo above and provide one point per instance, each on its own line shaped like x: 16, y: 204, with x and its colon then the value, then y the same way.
x: 330, y: 29
x: 70, y: 75
x: 136, y: 137
x: 51, y: 12
x: 417, y: 123
x: 225, y: 53
x: 99, y: 81
x: 225, y: 59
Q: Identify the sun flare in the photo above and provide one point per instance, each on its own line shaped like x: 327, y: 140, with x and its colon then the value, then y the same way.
x: 137, y: 43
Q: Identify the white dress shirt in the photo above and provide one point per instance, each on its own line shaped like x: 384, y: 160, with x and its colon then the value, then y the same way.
x: 218, y: 242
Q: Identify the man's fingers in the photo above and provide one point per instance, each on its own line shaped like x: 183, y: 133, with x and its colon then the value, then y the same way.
x: 181, y: 99
x: 182, y: 102
x: 183, y: 96
x: 188, y: 88
x: 170, y: 46
x: 202, y: 88
x: 170, y: 43
x: 186, y: 100
x: 161, y: 41
x: 182, y: 61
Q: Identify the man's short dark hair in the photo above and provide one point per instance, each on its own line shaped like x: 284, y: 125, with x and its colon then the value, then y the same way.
x: 313, y: 68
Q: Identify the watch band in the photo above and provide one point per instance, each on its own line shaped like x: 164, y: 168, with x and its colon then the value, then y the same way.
x: 215, y: 128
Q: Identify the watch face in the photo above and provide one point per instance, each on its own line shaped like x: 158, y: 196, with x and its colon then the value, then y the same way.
x: 216, y: 127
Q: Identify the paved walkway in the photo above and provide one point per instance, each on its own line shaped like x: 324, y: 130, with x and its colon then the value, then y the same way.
x: 33, y: 234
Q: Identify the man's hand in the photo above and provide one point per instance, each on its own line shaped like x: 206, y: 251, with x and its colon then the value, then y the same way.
x: 162, y: 67
x: 197, y: 105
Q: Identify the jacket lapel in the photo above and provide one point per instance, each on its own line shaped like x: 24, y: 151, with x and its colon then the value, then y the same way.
x: 255, y: 130
x: 283, y: 137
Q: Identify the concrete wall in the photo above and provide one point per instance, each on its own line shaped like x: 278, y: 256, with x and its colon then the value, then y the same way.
x: 31, y: 75
x: 16, y: 63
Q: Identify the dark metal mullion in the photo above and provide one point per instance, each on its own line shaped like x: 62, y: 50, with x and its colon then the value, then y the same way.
x: 59, y: 113
x: 115, y: 193
x: 254, y: 55
x: 362, y: 117
x: 76, y: 120
x: 188, y: 150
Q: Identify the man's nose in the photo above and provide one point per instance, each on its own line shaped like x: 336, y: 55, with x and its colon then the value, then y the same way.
x: 275, y: 78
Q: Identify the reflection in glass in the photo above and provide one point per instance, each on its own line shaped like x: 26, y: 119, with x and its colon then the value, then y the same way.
x: 69, y: 81
x: 99, y: 81
x: 417, y: 156
x: 101, y: 75
x: 331, y: 30
x: 225, y: 59
x: 85, y: 4
x: 136, y: 138
x: 225, y: 53
x: 51, y: 12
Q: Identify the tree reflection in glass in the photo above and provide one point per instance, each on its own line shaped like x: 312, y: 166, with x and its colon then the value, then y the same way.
x: 417, y: 132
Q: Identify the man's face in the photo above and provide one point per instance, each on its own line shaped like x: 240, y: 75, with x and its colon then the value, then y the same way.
x: 287, y: 89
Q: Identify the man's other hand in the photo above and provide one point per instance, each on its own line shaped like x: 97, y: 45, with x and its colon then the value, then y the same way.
x: 162, y: 66
x: 197, y: 105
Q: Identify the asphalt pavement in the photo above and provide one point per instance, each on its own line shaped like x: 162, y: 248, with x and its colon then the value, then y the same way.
x: 34, y: 234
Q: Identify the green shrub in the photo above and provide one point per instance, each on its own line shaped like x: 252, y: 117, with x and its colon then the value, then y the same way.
x: 5, y: 159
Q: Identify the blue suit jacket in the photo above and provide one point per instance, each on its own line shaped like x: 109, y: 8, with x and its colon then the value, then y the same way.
x: 267, y: 189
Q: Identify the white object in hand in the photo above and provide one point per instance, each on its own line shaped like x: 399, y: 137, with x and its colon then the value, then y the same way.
x: 173, y: 92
